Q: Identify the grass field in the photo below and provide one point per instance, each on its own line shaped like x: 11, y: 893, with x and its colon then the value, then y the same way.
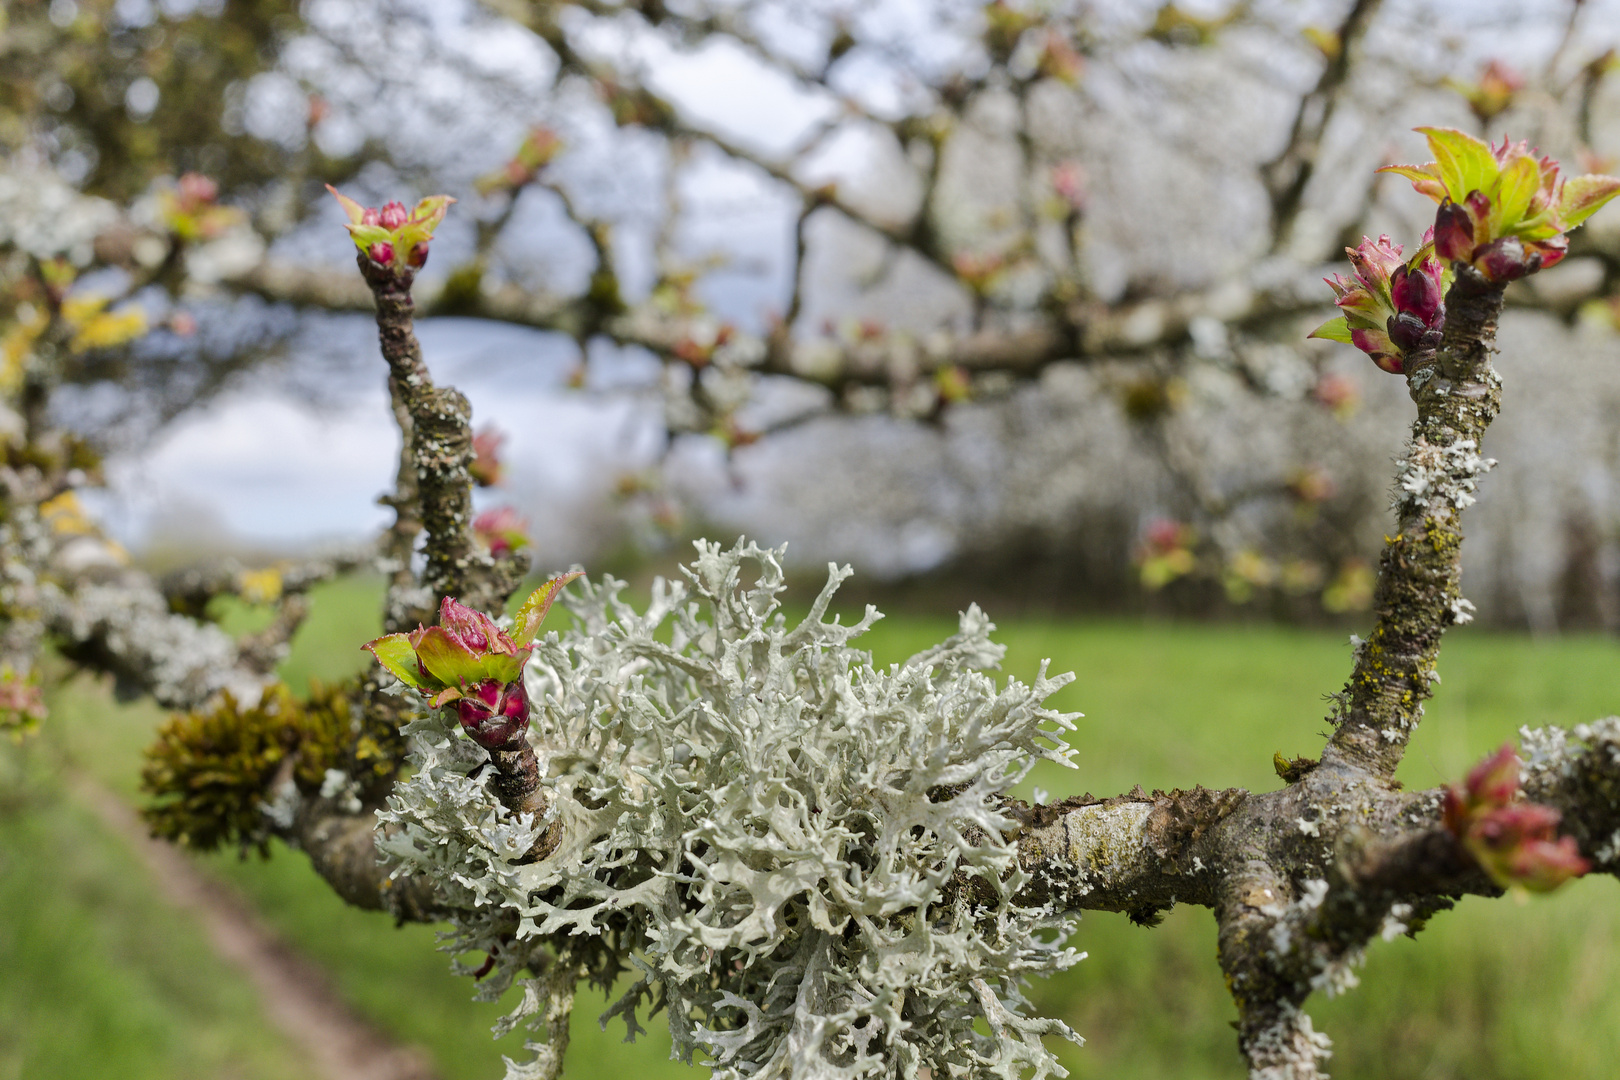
x: 1492, y: 991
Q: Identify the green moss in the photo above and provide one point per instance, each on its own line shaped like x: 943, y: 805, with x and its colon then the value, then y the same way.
x: 211, y: 770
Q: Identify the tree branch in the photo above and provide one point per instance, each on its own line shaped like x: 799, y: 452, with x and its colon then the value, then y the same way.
x: 441, y: 448
x: 1419, y: 595
x: 1287, y: 175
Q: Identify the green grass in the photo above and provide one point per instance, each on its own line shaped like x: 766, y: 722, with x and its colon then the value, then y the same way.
x: 99, y: 978
x: 1492, y: 991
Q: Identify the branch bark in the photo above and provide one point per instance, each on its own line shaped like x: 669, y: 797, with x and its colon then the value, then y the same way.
x: 440, y: 439
x: 1419, y: 595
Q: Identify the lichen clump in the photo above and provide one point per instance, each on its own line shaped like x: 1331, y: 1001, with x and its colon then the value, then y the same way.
x: 801, y: 856
x: 209, y: 769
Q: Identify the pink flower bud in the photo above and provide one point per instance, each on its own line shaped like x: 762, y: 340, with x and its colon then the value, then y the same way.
x: 418, y: 256
x: 1069, y: 181
x: 1494, y: 781
x: 1506, y: 260
x: 1337, y: 392
x: 1543, y: 865
x: 1453, y: 233
x: 370, y: 216
x: 472, y: 630
x: 1375, y: 261
x: 393, y: 215
x: 1506, y: 827
x: 196, y: 191
x: 493, y: 714
x: 381, y: 253
x: 1166, y: 534
x: 1417, y: 292
x: 486, y: 468
x: 501, y: 529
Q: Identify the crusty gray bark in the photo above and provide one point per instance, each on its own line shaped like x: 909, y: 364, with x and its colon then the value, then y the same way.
x: 1419, y: 594
x: 440, y: 441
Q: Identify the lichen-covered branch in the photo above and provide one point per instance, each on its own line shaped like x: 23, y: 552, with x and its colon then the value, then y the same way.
x: 1458, y: 394
x: 441, y: 449
x: 1139, y: 853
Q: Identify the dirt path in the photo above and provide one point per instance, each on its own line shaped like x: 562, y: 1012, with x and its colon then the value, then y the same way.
x: 296, y: 995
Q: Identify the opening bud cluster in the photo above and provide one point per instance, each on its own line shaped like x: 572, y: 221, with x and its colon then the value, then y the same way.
x: 393, y: 236
x: 1503, y: 209
x: 469, y: 664
x: 1514, y: 841
x: 1391, y: 307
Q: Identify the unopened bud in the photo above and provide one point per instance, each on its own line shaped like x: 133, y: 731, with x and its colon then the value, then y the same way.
x: 381, y: 253
x: 494, y: 715
x: 418, y: 256
x: 1453, y: 233
x: 1417, y: 292
x: 1506, y: 260
x: 393, y: 215
x: 1408, y: 333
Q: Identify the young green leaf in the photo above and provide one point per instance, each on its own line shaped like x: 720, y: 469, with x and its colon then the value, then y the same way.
x: 1333, y: 330
x: 394, y: 652
x: 533, y: 612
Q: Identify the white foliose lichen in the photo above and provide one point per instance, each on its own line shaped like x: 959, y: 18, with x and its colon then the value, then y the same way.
x: 799, y: 855
x: 1440, y: 477
x: 1290, y: 1047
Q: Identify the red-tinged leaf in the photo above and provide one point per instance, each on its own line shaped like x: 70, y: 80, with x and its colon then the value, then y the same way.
x: 533, y: 612
x: 394, y: 652
x: 1583, y: 195
x: 353, y: 209
x: 1466, y: 163
x: 1425, y: 178
x: 446, y: 660
x: 444, y: 697
x: 1332, y: 330
x: 1552, y: 251
x: 1494, y: 781
x: 429, y: 212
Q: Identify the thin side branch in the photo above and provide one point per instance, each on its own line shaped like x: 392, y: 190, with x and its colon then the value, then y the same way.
x: 1458, y: 394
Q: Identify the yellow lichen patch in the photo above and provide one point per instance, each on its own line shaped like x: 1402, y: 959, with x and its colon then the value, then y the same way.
x: 211, y: 770
x: 1102, y: 840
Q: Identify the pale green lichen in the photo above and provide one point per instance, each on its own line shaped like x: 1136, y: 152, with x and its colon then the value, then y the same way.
x: 799, y: 855
x: 1103, y: 841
